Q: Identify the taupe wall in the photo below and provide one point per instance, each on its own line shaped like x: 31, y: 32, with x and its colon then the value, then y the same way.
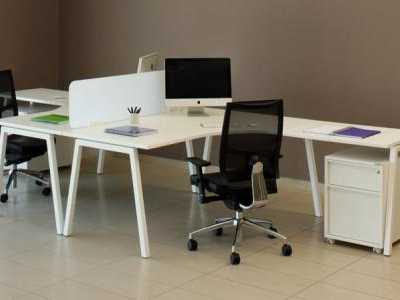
x: 337, y: 60
x: 29, y: 41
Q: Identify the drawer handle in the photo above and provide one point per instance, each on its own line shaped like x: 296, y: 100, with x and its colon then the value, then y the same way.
x: 378, y: 172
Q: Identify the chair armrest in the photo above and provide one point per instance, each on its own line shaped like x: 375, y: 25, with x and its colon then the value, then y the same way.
x: 198, y: 162
x: 198, y: 178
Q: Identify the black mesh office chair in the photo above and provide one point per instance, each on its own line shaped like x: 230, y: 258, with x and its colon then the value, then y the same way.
x: 249, y: 167
x: 19, y: 149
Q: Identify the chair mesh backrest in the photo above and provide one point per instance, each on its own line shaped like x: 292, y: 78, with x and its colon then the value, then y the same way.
x: 8, y: 101
x: 252, y: 132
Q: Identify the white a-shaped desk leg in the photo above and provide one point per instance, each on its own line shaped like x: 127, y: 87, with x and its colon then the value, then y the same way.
x: 139, y: 203
x: 391, y: 201
x: 100, y: 161
x: 137, y: 187
x: 55, y: 183
x: 73, y: 187
x: 54, y: 177
x: 312, y: 169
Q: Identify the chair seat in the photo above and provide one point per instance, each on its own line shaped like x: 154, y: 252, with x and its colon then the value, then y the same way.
x: 21, y: 149
x: 233, y: 193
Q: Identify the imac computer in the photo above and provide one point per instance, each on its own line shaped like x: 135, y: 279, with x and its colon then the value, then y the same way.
x: 197, y: 82
x: 148, y: 63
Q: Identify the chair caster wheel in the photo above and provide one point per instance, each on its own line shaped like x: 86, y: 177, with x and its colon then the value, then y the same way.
x: 270, y: 235
x: 219, y: 231
x: 3, y: 198
x: 39, y: 183
x: 46, y: 191
x: 377, y: 250
x: 286, y: 250
x: 235, y: 258
x: 330, y: 241
x: 192, y: 245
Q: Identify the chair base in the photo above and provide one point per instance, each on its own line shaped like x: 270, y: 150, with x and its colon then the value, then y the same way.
x: 35, y: 175
x: 237, y: 221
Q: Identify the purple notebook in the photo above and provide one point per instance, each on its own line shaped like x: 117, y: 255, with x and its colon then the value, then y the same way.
x: 355, y: 132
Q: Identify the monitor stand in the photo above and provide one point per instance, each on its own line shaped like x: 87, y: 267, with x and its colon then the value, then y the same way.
x: 196, y: 111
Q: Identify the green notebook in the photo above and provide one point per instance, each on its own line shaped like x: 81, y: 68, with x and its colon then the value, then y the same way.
x: 52, y: 118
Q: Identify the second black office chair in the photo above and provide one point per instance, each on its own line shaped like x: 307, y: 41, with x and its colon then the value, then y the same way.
x: 249, y: 167
x: 19, y: 149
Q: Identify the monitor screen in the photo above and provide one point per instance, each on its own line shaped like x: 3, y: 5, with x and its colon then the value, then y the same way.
x: 194, y: 78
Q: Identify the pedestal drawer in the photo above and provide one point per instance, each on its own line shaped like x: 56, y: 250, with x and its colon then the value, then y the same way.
x: 365, y: 177
x: 355, y: 214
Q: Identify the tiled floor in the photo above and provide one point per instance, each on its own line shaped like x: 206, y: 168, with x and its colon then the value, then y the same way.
x: 100, y: 261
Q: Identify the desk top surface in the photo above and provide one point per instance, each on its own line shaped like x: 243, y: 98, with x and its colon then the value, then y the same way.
x: 178, y: 127
x: 43, y: 96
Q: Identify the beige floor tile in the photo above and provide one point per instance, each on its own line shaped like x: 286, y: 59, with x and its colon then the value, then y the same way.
x: 263, y: 279
x: 319, y: 255
x: 328, y: 292
x: 52, y: 263
x: 69, y: 290
x: 95, y: 248
x: 182, y: 258
x: 222, y: 289
x: 377, y: 266
x: 291, y: 265
x: 179, y: 294
x: 365, y: 284
x: 297, y: 196
x: 9, y: 293
x: 133, y: 285
x: 19, y: 237
x: 393, y: 259
x: 316, y: 239
x: 27, y: 297
x: 318, y: 227
x: 25, y: 278
x: 153, y: 270
x: 7, y: 250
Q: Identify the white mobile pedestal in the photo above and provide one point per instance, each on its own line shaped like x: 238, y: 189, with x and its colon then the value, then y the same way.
x: 356, y: 192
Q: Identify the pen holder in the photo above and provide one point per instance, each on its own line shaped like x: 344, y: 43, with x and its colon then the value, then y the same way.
x: 134, y: 119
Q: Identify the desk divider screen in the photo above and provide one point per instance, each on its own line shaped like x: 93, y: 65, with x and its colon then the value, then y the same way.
x: 106, y: 99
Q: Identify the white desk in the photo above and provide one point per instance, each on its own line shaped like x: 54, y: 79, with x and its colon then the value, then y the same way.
x: 43, y: 96
x: 170, y: 131
x: 176, y: 128
x: 40, y: 100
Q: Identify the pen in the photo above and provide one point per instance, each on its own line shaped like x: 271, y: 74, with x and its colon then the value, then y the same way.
x: 135, y: 110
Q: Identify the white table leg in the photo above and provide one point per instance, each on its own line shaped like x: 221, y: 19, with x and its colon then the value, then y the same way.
x: 55, y: 183
x: 139, y: 203
x: 100, y: 161
x: 207, y: 150
x: 190, y: 153
x: 3, y: 145
x: 391, y: 201
x: 312, y: 169
x: 73, y: 187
